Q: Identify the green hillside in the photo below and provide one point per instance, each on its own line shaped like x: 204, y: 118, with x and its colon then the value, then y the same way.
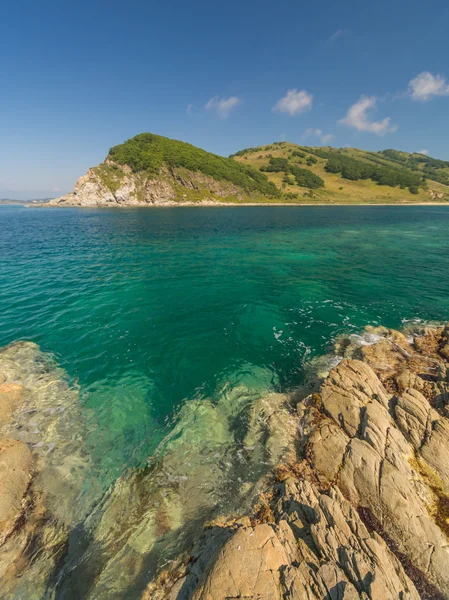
x: 349, y: 175
x: 149, y: 153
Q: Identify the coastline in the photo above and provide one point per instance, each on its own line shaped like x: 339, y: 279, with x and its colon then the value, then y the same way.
x: 236, y: 204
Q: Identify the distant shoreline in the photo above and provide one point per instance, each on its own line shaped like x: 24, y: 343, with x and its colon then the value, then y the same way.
x: 232, y: 204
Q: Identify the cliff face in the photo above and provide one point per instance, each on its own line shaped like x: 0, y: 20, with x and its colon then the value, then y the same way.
x: 111, y: 184
x: 355, y: 504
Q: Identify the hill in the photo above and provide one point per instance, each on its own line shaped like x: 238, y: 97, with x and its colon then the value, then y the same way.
x: 151, y: 169
x: 349, y: 175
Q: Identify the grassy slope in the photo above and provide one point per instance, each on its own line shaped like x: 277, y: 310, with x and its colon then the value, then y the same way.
x: 336, y: 188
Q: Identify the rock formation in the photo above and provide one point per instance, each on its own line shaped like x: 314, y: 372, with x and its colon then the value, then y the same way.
x: 363, y: 510
x: 111, y: 185
x: 348, y: 496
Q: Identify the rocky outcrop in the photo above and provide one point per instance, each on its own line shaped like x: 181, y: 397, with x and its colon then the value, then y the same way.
x: 111, y: 185
x: 363, y: 510
x: 434, y: 195
x: 317, y: 547
x: 339, y: 490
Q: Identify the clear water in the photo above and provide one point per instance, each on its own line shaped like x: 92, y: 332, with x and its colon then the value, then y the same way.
x: 148, y: 309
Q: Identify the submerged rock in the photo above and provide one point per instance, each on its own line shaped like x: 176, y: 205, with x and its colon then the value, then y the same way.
x: 16, y: 464
x: 42, y: 469
x: 209, y: 464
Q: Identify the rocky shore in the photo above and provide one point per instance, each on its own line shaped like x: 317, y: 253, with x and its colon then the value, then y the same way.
x: 363, y: 510
x: 349, y: 495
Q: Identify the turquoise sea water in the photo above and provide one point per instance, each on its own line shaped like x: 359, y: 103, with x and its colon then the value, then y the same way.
x: 148, y: 309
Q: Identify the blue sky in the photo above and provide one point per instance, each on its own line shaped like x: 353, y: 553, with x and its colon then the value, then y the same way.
x: 79, y: 77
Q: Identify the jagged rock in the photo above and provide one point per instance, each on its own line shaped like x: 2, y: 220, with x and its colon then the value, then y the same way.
x: 376, y: 471
x: 444, y: 351
x: 318, y: 548
x: 435, y: 449
x: 412, y: 413
x: 407, y: 379
x: 380, y: 453
x: 349, y: 388
x: 264, y: 551
x: 327, y: 445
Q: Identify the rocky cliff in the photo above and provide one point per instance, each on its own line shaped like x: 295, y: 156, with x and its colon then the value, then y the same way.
x: 111, y: 184
x: 355, y: 504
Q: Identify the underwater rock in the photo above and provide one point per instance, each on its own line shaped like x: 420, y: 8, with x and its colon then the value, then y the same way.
x: 210, y: 463
x: 11, y: 395
x: 42, y: 469
x: 16, y: 464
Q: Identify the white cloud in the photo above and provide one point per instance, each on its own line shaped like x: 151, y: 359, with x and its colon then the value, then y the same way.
x: 223, y: 106
x: 294, y: 102
x: 337, y: 34
x: 357, y: 117
x: 189, y: 109
x: 423, y: 152
x: 324, y: 137
x: 425, y: 85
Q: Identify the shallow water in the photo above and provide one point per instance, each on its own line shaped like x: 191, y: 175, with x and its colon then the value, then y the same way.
x: 147, y: 309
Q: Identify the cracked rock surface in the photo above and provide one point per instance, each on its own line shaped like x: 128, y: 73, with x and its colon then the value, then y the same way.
x: 363, y: 509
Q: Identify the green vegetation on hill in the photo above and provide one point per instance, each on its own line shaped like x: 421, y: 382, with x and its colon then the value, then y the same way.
x: 349, y: 174
x: 149, y: 153
x: 431, y: 168
x: 354, y: 169
x: 303, y: 177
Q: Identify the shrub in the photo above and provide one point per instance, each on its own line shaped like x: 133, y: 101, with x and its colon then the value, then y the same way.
x: 277, y: 165
x: 306, y: 178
